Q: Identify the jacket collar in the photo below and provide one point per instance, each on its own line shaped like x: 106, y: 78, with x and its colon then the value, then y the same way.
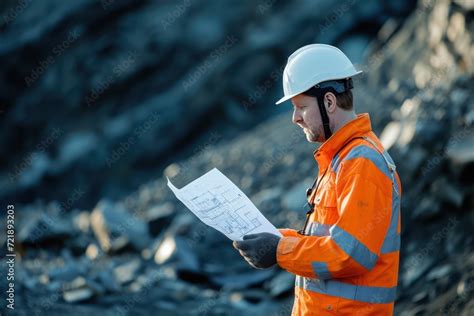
x: 359, y: 126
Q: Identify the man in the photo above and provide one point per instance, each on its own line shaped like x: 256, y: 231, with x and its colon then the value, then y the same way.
x: 346, y: 256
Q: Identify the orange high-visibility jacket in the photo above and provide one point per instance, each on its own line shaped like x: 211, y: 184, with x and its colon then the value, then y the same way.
x: 346, y: 263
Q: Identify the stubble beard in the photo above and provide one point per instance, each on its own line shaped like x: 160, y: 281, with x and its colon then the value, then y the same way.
x: 312, y: 136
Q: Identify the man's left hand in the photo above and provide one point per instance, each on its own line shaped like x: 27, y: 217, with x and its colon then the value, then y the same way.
x: 259, y: 250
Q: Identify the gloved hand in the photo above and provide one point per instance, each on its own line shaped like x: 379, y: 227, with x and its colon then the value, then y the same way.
x: 259, y: 250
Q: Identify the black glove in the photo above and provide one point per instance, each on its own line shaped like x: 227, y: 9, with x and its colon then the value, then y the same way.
x: 259, y: 250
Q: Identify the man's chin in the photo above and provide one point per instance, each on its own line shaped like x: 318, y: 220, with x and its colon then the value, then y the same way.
x: 310, y: 138
x: 313, y: 138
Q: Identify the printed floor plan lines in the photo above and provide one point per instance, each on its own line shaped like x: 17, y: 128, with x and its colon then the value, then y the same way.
x: 226, y: 208
x: 219, y: 203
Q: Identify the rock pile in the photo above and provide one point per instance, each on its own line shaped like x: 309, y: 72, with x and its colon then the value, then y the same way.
x: 96, y: 93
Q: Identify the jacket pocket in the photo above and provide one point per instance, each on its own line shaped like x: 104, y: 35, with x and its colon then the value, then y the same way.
x: 326, y: 206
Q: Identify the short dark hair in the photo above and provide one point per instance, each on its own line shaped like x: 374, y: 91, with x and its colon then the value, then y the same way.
x: 345, y: 100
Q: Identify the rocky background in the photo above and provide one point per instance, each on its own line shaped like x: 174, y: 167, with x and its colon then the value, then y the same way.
x: 101, y: 99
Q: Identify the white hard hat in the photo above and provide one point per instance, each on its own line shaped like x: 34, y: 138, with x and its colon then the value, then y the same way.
x: 313, y: 64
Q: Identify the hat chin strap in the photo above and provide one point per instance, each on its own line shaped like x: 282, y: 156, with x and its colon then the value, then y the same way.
x: 324, y: 116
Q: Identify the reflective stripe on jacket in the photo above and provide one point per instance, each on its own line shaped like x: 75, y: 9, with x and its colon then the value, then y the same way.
x: 347, y: 261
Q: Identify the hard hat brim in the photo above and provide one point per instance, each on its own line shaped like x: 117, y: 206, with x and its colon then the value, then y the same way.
x: 287, y: 97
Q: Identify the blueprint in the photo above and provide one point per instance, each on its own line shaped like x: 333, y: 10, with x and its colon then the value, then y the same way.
x: 219, y: 203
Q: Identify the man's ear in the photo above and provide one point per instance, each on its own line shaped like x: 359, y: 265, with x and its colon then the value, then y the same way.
x: 330, y: 102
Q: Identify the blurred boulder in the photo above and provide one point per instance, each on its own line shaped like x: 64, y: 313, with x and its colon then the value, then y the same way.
x: 283, y: 283
x: 159, y: 217
x: 175, y: 250
x: 127, y: 272
x: 39, y: 227
x: 242, y: 280
x: 115, y: 228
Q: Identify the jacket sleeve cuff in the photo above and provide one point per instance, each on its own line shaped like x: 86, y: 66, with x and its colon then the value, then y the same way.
x: 284, y: 251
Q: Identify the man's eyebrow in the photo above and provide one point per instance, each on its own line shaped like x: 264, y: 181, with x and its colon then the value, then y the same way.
x: 299, y: 106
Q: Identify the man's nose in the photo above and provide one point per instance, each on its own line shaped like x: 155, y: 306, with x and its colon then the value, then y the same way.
x: 296, y: 117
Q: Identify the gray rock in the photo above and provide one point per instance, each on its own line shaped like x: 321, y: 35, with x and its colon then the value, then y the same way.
x: 78, y: 295
x: 80, y: 283
x: 418, y: 298
x: 146, y: 280
x: 427, y: 209
x: 159, y: 217
x: 77, y: 283
x: 439, y: 272
x: 245, y: 300
x: 115, y: 227
x: 242, y: 280
x: 38, y: 227
x: 127, y: 272
x: 254, y: 296
x: 32, y: 175
x: 175, y: 250
x: 67, y: 273
x: 415, y: 160
x: 415, y: 267
x: 461, y: 148
x: 447, y: 191
x: 96, y: 287
x: 108, y: 281
x: 74, y: 147
x: 282, y: 283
